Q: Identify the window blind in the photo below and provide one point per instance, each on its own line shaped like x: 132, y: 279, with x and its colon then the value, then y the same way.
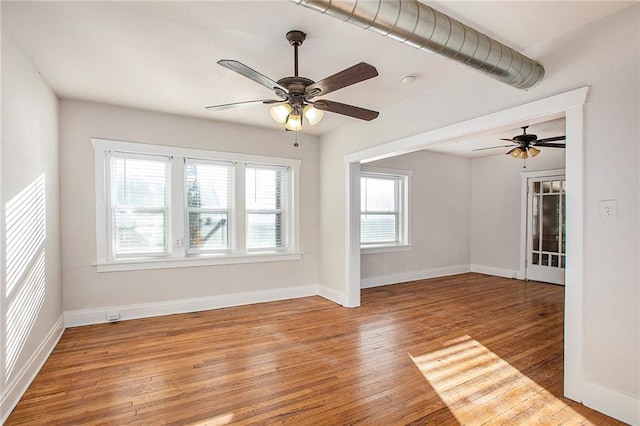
x: 209, y: 189
x: 139, y: 205
x: 380, y: 209
x: 265, y: 203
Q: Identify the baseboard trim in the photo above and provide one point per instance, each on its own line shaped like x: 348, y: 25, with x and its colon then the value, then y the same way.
x: 331, y: 294
x: 18, y: 386
x: 497, y: 272
x: 99, y: 315
x: 413, y: 276
x: 611, y: 402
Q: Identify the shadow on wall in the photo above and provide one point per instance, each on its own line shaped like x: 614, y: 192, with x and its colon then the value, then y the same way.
x: 25, y: 227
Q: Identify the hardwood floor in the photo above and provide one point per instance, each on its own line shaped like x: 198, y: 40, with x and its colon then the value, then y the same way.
x: 469, y: 349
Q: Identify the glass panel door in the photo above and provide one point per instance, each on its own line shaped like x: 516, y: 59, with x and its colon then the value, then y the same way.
x: 546, y: 233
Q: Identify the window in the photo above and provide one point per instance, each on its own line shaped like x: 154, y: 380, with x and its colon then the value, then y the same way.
x: 161, y: 206
x: 209, y: 195
x: 384, y: 208
x: 266, y: 198
x: 139, y: 205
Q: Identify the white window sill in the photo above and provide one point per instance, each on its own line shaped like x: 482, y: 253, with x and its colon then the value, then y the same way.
x: 385, y: 249
x: 189, y: 262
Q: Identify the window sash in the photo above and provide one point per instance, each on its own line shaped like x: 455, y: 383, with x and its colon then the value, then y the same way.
x: 118, y: 233
x: 394, y: 232
x: 272, y: 236
x: 221, y: 188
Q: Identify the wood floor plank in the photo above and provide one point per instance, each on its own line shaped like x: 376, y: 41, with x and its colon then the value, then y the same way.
x: 468, y: 349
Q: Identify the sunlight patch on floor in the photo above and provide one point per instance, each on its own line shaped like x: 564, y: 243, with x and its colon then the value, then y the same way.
x: 479, y: 387
x: 223, y: 419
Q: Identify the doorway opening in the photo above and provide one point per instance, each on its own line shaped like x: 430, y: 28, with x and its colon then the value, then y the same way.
x: 569, y: 105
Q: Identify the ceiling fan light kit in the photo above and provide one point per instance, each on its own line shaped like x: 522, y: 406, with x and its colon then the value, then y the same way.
x: 526, y: 142
x: 297, y: 93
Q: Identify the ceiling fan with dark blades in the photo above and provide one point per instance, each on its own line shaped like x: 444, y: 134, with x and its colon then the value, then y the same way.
x: 527, y: 144
x: 296, y: 94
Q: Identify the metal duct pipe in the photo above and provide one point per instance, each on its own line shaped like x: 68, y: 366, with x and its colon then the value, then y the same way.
x: 420, y: 26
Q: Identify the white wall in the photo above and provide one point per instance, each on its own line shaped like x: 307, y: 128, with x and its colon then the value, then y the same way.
x: 496, y: 187
x: 440, y: 196
x: 84, y: 288
x: 31, y: 296
x: 605, y: 56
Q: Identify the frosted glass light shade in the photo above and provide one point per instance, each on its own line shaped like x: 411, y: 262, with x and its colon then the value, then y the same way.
x: 313, y: 114
x: 294, y: 122
x: 516, y: 152
x: 533, y: 151
x: 280, y: 112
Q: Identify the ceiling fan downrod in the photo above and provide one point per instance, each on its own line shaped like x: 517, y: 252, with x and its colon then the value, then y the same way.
x: 295, y: 39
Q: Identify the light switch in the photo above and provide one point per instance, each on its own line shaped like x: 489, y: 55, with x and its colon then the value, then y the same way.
x: 608, y: 210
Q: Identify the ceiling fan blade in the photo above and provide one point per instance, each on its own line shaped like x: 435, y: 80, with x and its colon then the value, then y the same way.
x: 344, y: 78
x: 551, y: 145
x: 236, y: 104
x: 344, y: 109
x: 254, y: 75
x: 492, y: 147
x: 553, y: 139
x: 510, y: 140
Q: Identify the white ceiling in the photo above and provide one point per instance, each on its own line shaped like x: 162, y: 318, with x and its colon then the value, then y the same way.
x: 161, y: 56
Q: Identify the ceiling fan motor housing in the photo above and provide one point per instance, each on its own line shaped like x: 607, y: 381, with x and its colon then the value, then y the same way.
x: 296, y: 37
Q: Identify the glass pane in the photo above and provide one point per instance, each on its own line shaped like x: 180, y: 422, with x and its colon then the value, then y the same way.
x: 550, y: 223
x: 264, y: 230
x: 555, y: 186
x: 554, y: 260
x: 562, y: 265
x: 535, y: 223
x: 536, y: 187
x: 264, y: 189
x: 139, y: 182
x: 546, y: 187
x: 545, y: 260
x: 137, y: 232
x: 208, y: 185
x: 379, y: 194
x: 208, y: 231
x: 378, y: 228
x: 535, y: 259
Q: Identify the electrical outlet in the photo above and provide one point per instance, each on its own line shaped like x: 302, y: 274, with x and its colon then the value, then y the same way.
x: 113, y: 316
x: 178, y: 242
x: 608, y: 210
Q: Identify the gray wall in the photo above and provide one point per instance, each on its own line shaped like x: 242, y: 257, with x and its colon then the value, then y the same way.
x: 31, y: 285
x: 439, y: 210
x: 496, y: 187
x: 85, y: 288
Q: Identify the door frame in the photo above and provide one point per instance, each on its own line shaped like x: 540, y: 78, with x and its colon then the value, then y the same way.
x: 571, y: 106
x: 524, y: 210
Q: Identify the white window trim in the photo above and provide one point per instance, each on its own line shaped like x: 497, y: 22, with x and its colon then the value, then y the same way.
x: 177, y: 254
x: 405, y: 211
